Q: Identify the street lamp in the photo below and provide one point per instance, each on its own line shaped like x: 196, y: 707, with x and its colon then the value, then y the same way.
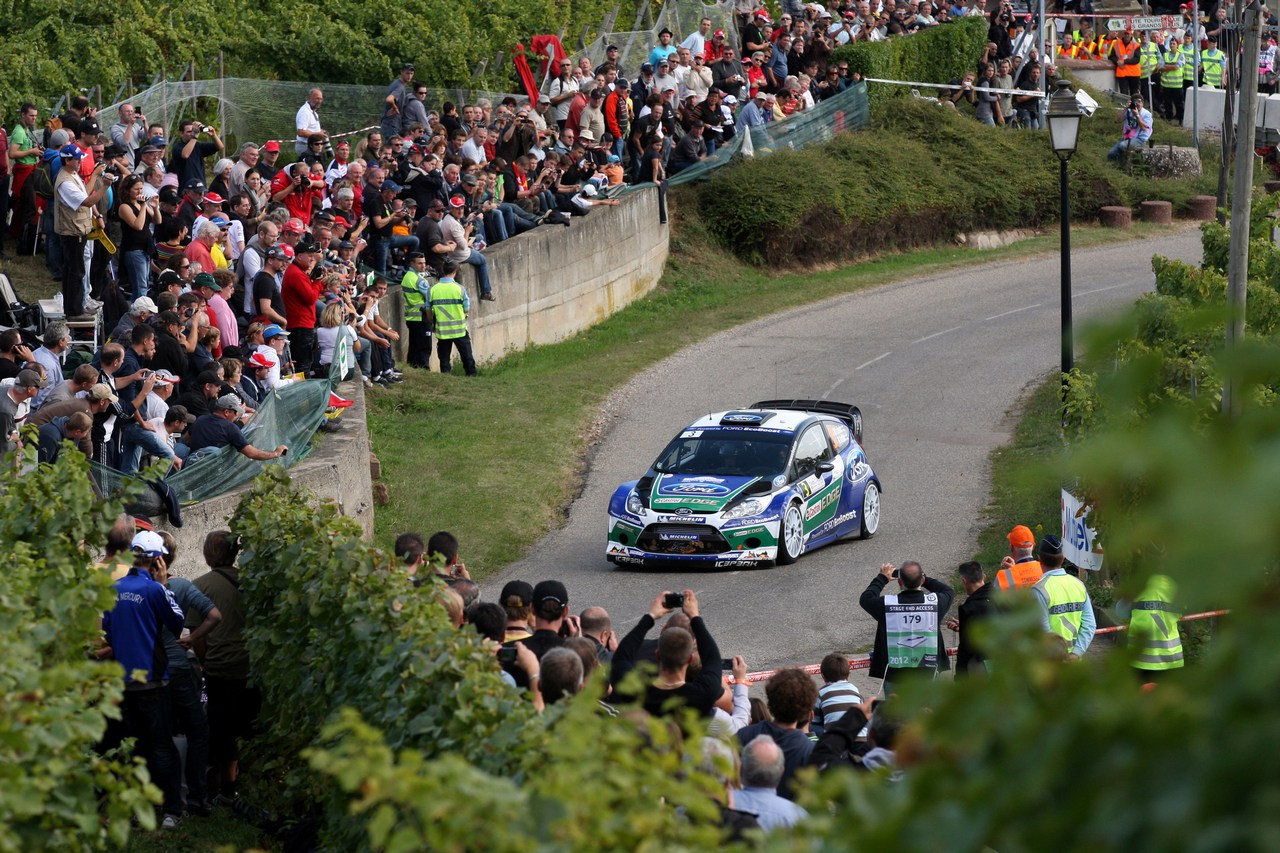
x: 1064, y: 131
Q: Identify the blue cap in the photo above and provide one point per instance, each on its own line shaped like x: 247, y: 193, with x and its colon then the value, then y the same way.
x: 158, y: 141
x: 391, y: 186
x: 273, y: 331
x: 220, y: 221
x: 614, y: 158
x: 71, y: 151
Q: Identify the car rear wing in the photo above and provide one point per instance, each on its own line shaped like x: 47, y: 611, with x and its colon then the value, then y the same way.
x: 851, y: 415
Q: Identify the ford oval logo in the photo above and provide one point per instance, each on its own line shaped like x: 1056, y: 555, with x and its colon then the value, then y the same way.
x: 684, y: 510
x: 697, y: 489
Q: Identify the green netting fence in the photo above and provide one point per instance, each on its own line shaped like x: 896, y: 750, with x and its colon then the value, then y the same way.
x: 289, y: 415
x: 849, y: 110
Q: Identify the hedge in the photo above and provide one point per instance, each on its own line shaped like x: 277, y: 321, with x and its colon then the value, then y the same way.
x: 935, y: 55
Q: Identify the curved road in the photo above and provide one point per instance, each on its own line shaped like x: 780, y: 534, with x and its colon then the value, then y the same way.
x: 935, y: 364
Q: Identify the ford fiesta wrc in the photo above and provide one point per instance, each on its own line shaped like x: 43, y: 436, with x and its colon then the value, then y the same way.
x: 749, y: 487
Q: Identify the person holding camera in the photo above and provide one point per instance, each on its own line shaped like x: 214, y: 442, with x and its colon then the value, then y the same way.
x: 189, y: 152
x: 1136, y: 123
x: 908, y: 637
x: 671, y: 688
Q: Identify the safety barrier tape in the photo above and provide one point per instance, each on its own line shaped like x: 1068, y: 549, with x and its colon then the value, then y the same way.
x: 953, y: 86
x: 864, y: 661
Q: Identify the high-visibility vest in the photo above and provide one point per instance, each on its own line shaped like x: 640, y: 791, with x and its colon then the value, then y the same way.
x: 447, y: 309
x: 1149, y: 59
x: 1153, y: 626
x: 1125, y: 51
x: 1022, y: 575
x: 1067, y: 599
x: 911, y: 632
x: 414, y: 299
x: 1214, y: 62
x: 1172, y: 78
x: 1069, y: 52
x: 1188, y: 54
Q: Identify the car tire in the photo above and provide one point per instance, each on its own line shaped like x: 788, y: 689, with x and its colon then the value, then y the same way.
x: 870, y: 510
x: 789, y: 554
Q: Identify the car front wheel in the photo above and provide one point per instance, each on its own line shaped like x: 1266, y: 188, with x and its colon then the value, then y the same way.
x: 791, y: 542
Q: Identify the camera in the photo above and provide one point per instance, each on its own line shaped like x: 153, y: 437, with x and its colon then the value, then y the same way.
x: 673, y: 600
x: 507, y: 655
x: 206, y: 129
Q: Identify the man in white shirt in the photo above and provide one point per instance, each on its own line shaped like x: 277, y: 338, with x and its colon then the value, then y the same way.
x: 473, y: 148
x: 697, y: 42
x: 563, y: 88
x: 307, y: 121
x: 57, y: 337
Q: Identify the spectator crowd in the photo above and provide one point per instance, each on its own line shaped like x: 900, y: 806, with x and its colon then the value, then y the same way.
x: 762, y: 750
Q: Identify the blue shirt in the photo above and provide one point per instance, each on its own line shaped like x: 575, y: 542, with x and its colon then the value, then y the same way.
x: 132, y: 627
x: 771, y: 810
x: 750, y: 115
x: 660, y: 53
x: 194, y: 604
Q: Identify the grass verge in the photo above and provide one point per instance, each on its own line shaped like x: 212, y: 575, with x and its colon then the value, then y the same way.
x: 497, y: 460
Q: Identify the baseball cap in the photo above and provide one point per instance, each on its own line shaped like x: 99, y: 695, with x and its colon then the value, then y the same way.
x: 468, y: 179
x: 158, y: 142
x: 114, y: 150
x: 165, y: 377
x: 408, y: 66
x: 516, y: 594
x: 229, y: 401
x: 614, y: 158
x: 1050, y: 546
x: 294, y: 226
x: 611, y: 47
x: 589, y: 190
x: 457, y: 201
x: 210, y: 198
x: 646, y: 68
x: 586, y: 134
x: 390, y: 186
x: 208, y: 377
x: 544, y: 99
x: 220, y: 221
x: 195, y: 185
x: 168, y: 195
x: 305, y: 246
x: 261, y: 360
x: 150, y: 149
x: 281, y: 252
x: 102, y: 391
x: 143, y: 303
x: 148, y: 542
x: 205, y: 279
x: 322, y: 216
x: 553, y: 590
x: 168, y: 318
x: 718, y: 34
x: 597, y: 92
x: 71, y: 151
x: 273, y: 331
x: 345, y: 244
x: 89, y: 127
x: 28, y: 378
x: 176, y: 412
x: 1021, y: 537
x: 731, y: 100
x: 272, y: 145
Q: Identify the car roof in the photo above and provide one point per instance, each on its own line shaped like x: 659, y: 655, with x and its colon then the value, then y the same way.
x: 781, y: 419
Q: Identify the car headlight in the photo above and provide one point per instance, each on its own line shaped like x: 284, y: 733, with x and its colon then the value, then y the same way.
x: 635, y: 506
x: 748, y: 508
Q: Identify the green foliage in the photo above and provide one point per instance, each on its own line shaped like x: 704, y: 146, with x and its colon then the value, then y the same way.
x: 340, y: 42
x: 55, y: 792
x: 934, y: 55
x: 924, y: 174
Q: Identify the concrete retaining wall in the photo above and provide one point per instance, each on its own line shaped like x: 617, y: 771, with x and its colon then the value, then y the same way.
x: 337, y: 470
x: 555, y: 281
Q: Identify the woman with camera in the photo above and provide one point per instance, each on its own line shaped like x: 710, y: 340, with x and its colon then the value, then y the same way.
x: 138, y: 215
x: 338, y: 324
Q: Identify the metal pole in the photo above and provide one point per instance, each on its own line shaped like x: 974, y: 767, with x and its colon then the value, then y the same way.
x: 1228, y: 125
x: 1241, y: 199
x: 1068, y: 358
x: 1195, y: 86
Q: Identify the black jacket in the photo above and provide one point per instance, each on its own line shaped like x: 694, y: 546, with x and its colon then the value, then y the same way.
x: 700, y: 694
x: 872, y: 602
x: 976, y: 607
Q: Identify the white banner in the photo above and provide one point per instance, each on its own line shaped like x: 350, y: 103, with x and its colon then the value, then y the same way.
x: 1079, y: 540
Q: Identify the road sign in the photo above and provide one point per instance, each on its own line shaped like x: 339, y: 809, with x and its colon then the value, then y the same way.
x: 1151, y: 22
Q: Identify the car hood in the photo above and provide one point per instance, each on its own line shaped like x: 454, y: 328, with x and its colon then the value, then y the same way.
x: 700, y: 493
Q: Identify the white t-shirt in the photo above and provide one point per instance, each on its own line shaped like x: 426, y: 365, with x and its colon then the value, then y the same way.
x: 560, y: 87
x: 308, y: 120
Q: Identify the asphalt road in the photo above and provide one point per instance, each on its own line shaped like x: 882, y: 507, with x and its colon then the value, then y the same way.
x: 935, y: 364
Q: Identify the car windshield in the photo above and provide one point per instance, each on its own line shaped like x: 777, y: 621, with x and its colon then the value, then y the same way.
x: 727, y: 453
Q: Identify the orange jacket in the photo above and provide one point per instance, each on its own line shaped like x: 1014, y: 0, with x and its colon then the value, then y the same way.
x: 1129, y: 53
x: 1021, y: 576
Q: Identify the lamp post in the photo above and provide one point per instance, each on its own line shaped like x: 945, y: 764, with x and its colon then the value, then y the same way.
x: 1064, y: 131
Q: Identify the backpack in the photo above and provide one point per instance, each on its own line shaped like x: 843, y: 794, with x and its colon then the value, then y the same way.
x: 41, y: 180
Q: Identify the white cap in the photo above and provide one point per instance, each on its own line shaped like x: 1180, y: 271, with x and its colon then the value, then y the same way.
x: 149, y: 542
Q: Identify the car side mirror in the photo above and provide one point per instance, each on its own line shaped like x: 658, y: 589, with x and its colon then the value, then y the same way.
x: 825, y: 467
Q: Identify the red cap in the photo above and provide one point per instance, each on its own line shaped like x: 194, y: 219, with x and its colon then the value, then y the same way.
x: 260, y: 360
x: 272, y: 146
x: 213, y: 198
x: 719, y: 34
x: 457, y: 201
x: 294, y: 226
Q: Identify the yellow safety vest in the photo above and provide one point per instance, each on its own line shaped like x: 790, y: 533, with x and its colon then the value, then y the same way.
x: 447, y: 309
x: 1153, y: 627
x: 1067, y: 598
x: 1148, y: 59
x: 415, y: 300
x: 1214, y: 62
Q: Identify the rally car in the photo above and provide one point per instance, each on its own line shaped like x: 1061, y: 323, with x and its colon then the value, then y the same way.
x: 749, y: 487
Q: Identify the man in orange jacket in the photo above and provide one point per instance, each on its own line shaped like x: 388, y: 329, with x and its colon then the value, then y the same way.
x: 1019, y: 570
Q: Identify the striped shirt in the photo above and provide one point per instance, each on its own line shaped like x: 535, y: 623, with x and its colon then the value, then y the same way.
x: 833, y: 700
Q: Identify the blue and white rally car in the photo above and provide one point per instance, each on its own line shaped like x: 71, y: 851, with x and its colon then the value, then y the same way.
x: 749, y: 487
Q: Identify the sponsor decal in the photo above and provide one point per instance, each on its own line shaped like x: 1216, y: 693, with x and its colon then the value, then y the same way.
x: 803, y: 488
x: 836, y: 522
x: 759, y: 528
x: 727, y: 564
x: 691, y: 433
x: 694, y: 489
x: 615, y: 548
x: 634, y: 561
x: 658, y: 503
x: 779, y: 481
x: 742, y: 418
x: 704, y: 479
x: 859, y: 471
x: 822, y: 503
x: 683, y: 518
x: 679, y: 537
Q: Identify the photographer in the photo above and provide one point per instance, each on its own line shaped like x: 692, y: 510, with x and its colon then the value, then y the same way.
x: 295, y: 189
x: 1136, y: 123
x: 189, y: 153
x: 675, y: 653
x: 908, y: 640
